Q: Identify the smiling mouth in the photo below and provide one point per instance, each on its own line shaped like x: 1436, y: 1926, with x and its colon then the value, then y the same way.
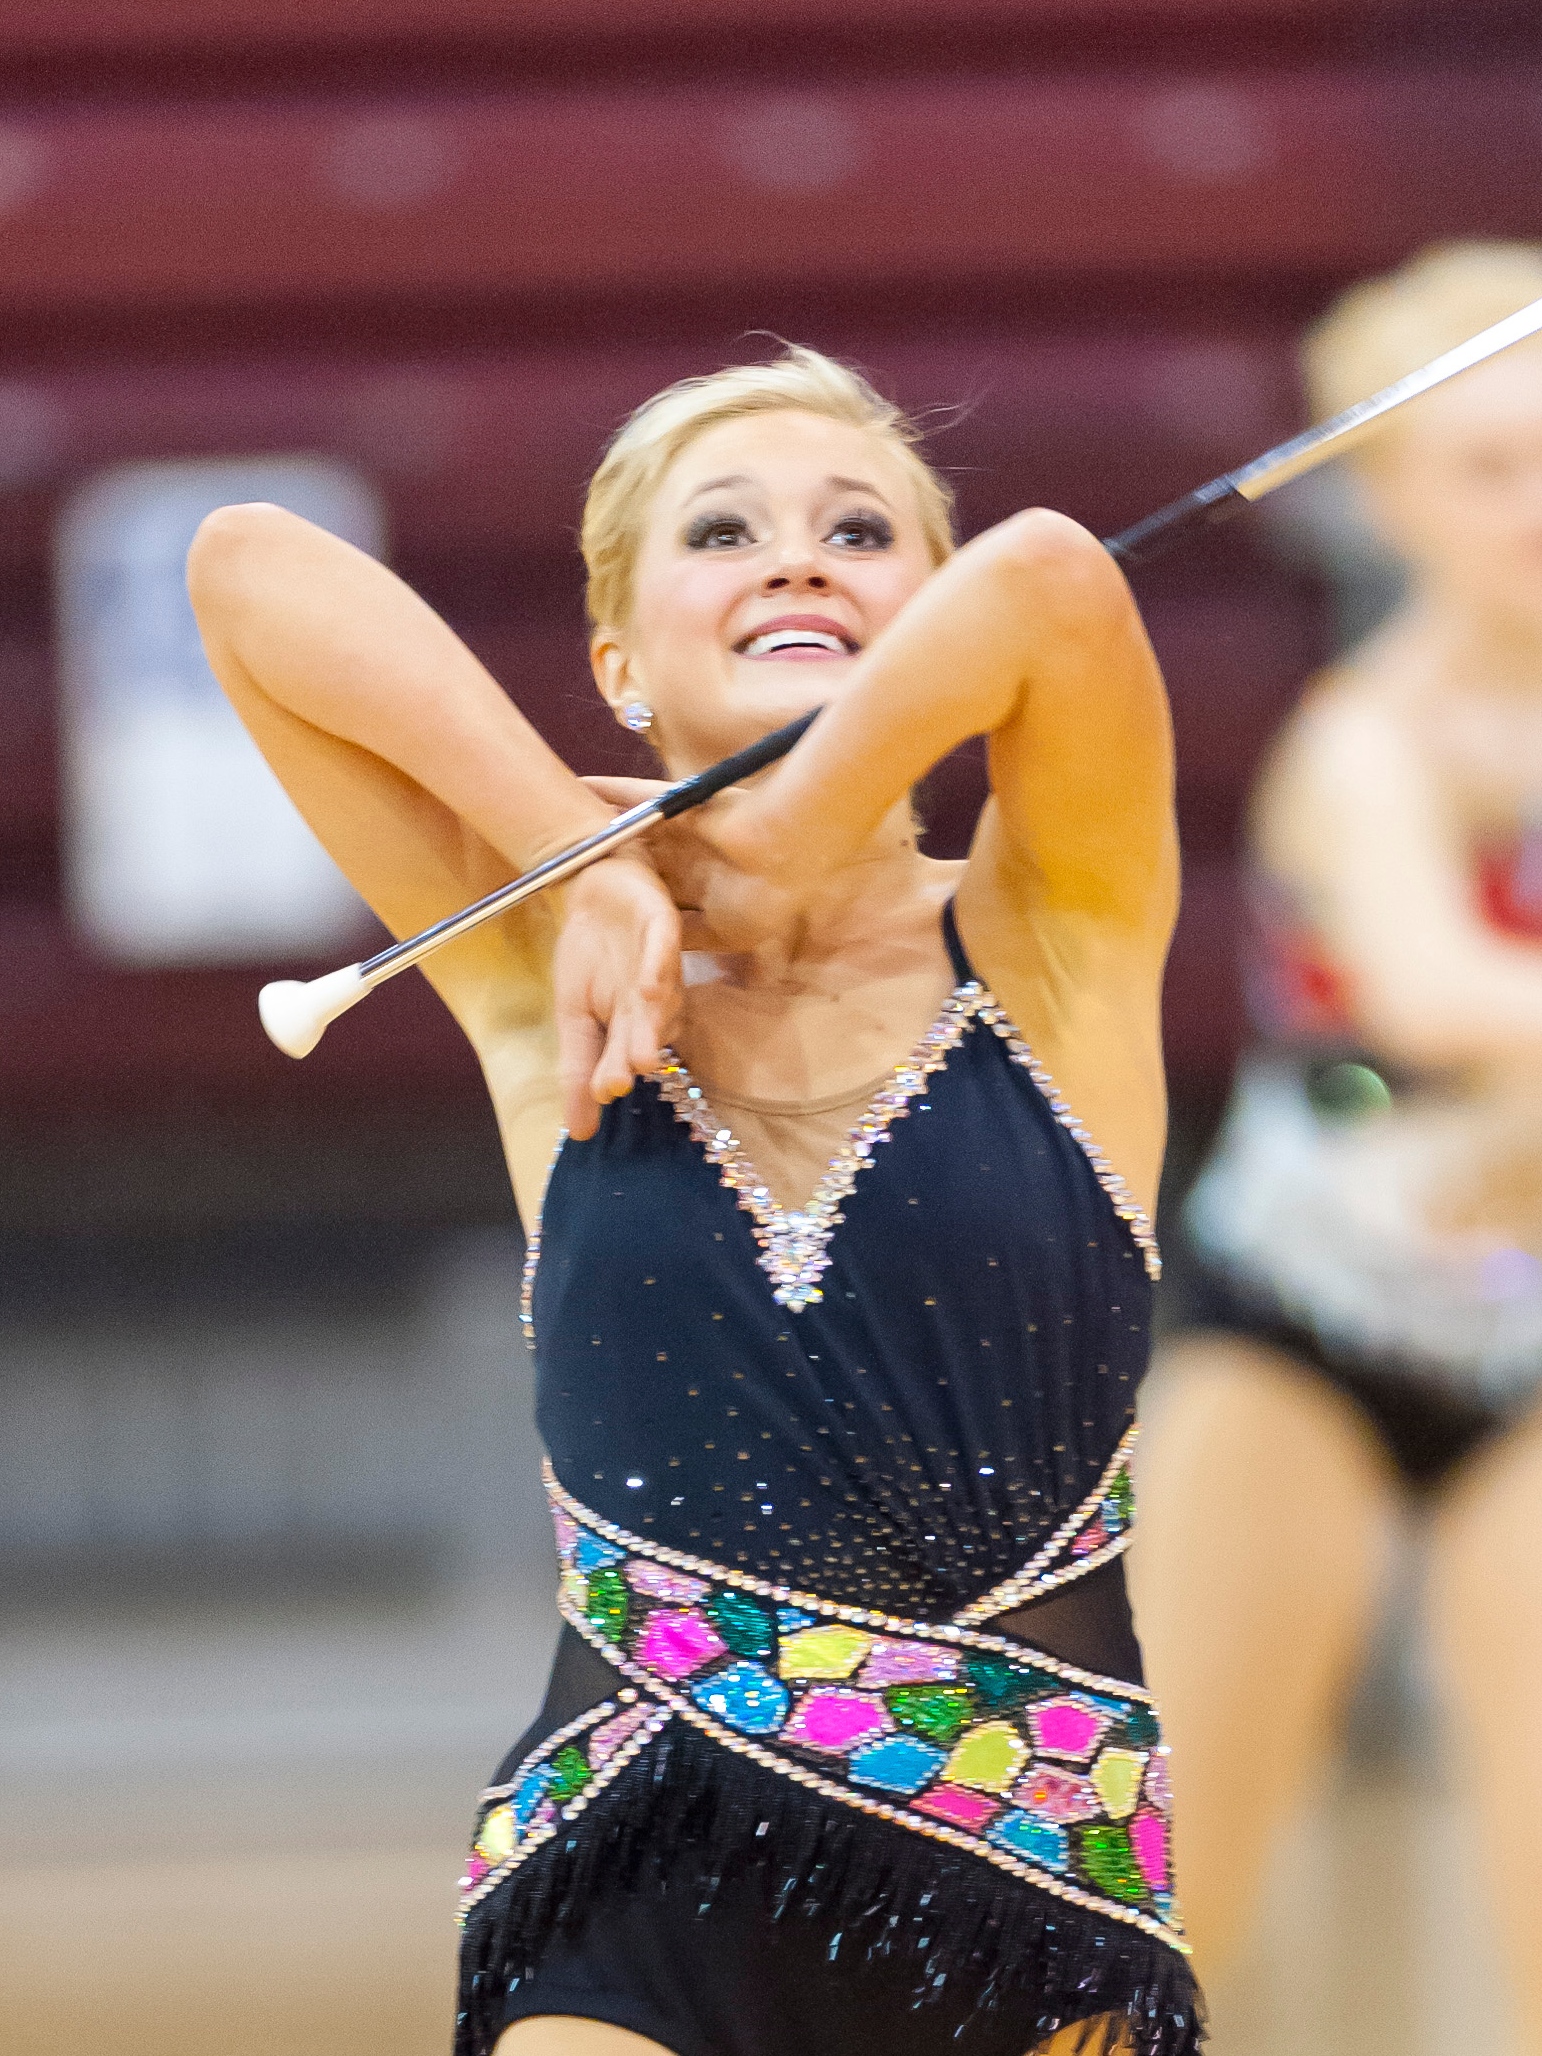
x: 811, y: 642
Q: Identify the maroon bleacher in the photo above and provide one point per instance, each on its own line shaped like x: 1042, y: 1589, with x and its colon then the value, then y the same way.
x: 456, y: 243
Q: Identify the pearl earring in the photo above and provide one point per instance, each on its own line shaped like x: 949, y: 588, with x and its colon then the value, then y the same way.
x: 637, y: 715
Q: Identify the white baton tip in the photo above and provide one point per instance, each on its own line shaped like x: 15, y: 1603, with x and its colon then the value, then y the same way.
x: 297, y: 1015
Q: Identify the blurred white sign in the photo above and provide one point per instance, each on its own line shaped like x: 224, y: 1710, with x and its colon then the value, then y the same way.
x: 181, y: 847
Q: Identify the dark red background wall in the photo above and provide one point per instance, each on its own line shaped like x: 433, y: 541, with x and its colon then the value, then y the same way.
x: 455, y: 243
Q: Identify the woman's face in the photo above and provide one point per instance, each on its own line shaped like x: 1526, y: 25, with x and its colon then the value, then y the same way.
x: 1458, y: 490
x: 776, y: 549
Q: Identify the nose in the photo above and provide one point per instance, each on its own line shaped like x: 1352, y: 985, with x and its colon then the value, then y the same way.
x: 797, y: 568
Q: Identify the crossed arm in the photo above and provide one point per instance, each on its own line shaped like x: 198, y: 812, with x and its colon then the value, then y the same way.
x: 429, y: 787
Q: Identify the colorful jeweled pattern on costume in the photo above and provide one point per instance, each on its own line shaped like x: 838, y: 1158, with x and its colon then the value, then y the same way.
x: 554, y: 1784
x: 1051, y: 1773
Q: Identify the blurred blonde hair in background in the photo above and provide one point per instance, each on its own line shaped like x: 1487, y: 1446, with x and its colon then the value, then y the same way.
x: 1379, y: 331
x: 643, y: 448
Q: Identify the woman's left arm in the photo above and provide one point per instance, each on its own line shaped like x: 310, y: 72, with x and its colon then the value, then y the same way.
x: 1028, y: 635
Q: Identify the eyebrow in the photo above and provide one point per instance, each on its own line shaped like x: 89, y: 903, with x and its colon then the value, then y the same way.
x: 843, y: 485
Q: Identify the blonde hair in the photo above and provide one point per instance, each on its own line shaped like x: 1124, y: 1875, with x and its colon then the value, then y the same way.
x: 1379, y: 331
x: 643, y: 448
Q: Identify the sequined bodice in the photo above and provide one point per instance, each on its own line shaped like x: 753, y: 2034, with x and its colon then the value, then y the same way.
x: 892, y: 1398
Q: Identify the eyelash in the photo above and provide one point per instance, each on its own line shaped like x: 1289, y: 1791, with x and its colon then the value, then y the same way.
x: 875, y: 532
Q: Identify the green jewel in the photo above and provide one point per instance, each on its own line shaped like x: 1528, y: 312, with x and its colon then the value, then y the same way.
x: 1141, y: 1728
x: 572, y: 1773
x: 608, y: 1601
x: 1001, y: 1684
x: 748, y: 1629
x: 1109, y: 1862
x: 940, y: 1712
x: 1122, y: 1493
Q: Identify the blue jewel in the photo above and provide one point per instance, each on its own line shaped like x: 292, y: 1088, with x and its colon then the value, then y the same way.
x: 746, y: 1696
x: 789, y: 1620
x: 591, y: 1554
x: 1037, y: 1841
x: 899, y: 1763
x: 529, y: 1791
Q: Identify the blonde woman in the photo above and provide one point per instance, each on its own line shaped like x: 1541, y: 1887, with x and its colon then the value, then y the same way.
x: 1367, y: 1336
x: 838, y: 1309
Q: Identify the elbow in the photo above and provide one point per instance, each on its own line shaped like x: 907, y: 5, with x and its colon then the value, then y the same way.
x: 1050, y: 555
x: 231, y: 543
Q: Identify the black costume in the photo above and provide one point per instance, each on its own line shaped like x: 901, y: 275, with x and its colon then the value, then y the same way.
x: 845, y: 1746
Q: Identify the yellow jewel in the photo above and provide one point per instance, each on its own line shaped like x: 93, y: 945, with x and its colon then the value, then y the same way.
x: 989, y: 1757
x: 823, y: 1652
x: 496, y: 1841
x: 1116, y: 1779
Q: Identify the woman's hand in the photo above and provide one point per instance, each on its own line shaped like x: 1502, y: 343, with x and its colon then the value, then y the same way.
x: 616, y: 978
x: 718, y: 879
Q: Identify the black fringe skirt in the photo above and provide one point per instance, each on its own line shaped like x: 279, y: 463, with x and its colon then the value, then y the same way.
x: 721, y: 1910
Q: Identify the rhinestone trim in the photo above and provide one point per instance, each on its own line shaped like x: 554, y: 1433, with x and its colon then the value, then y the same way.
x: 537, y: 1833
x: 955, y: 1632
x: 1129, y: 1210
x: 533, y: 1249
x: 794, y: 1243
x: 1040, y: 1574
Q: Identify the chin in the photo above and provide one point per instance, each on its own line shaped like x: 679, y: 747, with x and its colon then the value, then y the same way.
x: 782, y: 695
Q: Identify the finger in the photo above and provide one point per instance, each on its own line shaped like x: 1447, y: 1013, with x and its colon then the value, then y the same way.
x: 625, y: 792
x: 580, y: 1039
x: 613, y: 1075
x: 658, y: 994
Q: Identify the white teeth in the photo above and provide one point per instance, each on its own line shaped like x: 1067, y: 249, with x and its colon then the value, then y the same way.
x: 793, y: 639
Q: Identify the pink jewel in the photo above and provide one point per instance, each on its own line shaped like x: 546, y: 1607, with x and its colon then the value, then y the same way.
x: 835, y: 1720
x: 675, y: 1644
x: 477, y: 1868
x: 1062, y: 1728
x: 656, y: 1582
x: 1159, y: 1786
x: 1058, y: 1795
x: 1090, y: 1538
x: 907, y: 1663
x: 958, y: 1809
x: 1148, y: 1838
x: 567, y: 1532
x: 609, y: 1736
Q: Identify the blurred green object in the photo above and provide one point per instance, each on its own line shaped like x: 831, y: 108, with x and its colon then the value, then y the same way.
x: 1349, y: 1092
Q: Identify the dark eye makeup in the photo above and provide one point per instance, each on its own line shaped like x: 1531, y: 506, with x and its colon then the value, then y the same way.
x: 864, y: 530
x: 718, y: 532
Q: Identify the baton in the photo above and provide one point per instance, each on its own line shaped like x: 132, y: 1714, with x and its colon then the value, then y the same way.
x: 297, y: 1014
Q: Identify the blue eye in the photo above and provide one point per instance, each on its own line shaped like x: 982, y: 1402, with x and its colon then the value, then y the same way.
x: 718, y: 532
x: 862, y: 532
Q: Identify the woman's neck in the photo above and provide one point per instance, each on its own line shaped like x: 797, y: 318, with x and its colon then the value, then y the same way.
x: 781, y: 942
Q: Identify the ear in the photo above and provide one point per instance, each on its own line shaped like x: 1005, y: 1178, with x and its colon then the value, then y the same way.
x: 612, y: 668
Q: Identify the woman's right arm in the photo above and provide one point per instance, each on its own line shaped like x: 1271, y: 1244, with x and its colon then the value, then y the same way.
x: 429, y: 788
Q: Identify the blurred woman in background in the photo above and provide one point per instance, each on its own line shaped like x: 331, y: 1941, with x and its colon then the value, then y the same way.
x: 1364, y: 1320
